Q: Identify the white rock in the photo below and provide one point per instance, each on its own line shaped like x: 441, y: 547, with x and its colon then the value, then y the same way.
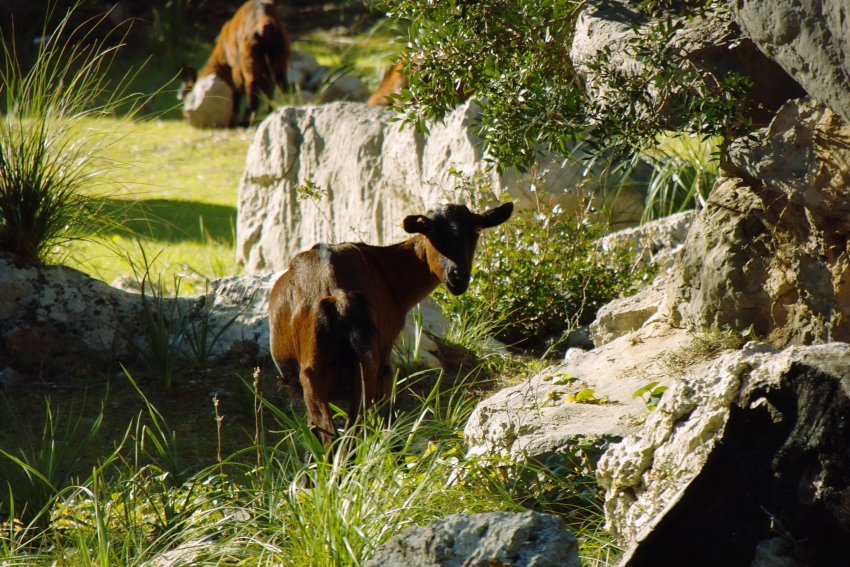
x: 209, y: 104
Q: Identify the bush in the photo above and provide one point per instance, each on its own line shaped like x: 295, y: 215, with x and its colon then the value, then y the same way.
x: 514, y: 54
x: 546, y: 272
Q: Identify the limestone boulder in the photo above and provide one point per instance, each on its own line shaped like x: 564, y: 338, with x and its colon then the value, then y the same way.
x: 810, y: 40
x: 658, y: 243
x: 56, y: 321
x: 542, y: 415
x: 348, y: 172
x: 742, y: 463
x: 209, y: 104
x: 770, y: 250
x: 507, y: 539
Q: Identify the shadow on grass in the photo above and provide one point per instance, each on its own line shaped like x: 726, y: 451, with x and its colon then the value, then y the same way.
x: 172, y: 220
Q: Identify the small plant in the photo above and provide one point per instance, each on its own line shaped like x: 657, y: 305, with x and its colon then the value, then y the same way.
x: 684, y: 172
x: 156, y: 440
x: 33, y: 476
x: 164, y: 326
x: 200, y: 333
x: 543, y: 274
x: 651, y: 394
x: 585, y: 396
x: 704, y: 346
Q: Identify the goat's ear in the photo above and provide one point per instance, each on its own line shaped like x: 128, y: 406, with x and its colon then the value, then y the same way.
x: 189, y: 74
x: 497, y: 216
x: 417, y: 224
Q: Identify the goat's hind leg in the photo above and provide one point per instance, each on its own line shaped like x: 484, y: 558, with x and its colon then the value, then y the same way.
x: 364, y: 391
x: 317, y: 399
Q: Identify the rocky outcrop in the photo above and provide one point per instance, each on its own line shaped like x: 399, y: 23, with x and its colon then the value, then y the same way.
x: 546, y: 414
x: 506, y: 539
x: 770, y: 250
x: 810, y: 40
x: 55, y: 321
x: 348, y: 172
x: 748, y: 448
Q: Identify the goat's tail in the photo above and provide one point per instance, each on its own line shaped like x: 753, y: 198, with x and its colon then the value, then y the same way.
x: 345, y: 327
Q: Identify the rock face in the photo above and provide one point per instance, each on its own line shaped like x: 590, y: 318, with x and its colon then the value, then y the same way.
x: 347, y: 172
x: 744, y: 450
x: 770, y: 249
x: 711, y: 41
x: 810, y: 40
x: 506, y: 539
x: 536, y: 418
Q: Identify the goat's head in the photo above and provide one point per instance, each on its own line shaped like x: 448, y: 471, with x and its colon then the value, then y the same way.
x: 189, y: 77
x: 453, y: 233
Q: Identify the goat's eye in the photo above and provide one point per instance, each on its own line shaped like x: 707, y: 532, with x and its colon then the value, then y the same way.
x: 478, y: 230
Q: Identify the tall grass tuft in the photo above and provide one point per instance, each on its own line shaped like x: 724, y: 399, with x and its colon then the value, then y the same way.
x: 684, y: 172
x: 51, y: 152
x: 45, y: 463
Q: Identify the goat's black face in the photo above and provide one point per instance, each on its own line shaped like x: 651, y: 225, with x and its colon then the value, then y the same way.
x: 453, y: 232
x: 190, y: 77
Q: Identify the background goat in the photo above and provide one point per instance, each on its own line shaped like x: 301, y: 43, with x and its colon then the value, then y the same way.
x: 251, y: 55
x: 335, y: 314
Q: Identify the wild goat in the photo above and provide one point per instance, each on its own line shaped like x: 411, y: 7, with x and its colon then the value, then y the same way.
x: 392, y: 83
x: 251, y: 56
x: 335, y: 314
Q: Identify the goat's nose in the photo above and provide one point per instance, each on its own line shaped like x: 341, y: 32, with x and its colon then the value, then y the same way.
x: 457, y: 276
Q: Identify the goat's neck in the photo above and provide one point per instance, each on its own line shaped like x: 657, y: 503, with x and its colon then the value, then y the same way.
x: 406, y: 270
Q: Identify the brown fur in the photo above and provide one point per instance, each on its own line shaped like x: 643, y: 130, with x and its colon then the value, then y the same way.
x: 395, y: 80
x: 392, y: 83
x: 335, y: 314
x: 251, y: 55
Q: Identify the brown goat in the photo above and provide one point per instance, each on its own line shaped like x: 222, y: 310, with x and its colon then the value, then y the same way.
x: 396, y: 80
x: 335, y: 314
x: 251, y: 55
x: 392, y: 83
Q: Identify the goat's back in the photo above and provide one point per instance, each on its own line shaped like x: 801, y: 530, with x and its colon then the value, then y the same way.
x: 321, y: 311
x: 252, y: 45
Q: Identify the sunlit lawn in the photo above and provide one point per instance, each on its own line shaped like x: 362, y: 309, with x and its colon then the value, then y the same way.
x: 174, y: 187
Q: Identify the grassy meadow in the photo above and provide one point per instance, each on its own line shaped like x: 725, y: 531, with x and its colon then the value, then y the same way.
x: 173, y: 190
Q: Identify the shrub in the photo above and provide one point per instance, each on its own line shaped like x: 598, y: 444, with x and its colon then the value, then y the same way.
x: 547, y: 273
x: 514, y: 54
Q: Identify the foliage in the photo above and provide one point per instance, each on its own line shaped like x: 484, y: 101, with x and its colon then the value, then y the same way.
x: 514, y: 54
x: 46, y: 463
x: 684, y: 172
x: 331, y: 508
x: 164, y: 325
x: 48, y: 155
x: 546, y: 274
x: 650, y: 394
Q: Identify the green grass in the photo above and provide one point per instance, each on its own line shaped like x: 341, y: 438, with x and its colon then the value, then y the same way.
x: 174, y: 188
x: 286, y: 500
